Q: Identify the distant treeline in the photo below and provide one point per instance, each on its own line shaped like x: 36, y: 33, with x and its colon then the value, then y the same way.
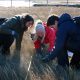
x: 77, y: 5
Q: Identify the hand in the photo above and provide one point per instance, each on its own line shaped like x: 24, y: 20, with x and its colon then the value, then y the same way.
x: 42, y: 45
x: 39, y: 53
x: 15, y: 34
x: 46, y: 58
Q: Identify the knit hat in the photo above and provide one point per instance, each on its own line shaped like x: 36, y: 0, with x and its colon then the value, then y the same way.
x: 40, y: 27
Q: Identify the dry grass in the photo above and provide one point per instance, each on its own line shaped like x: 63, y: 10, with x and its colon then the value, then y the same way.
x: 41, y: 12
x: 38, y: 71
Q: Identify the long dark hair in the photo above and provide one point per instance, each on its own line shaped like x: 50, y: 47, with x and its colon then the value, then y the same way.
x: 27, y: 18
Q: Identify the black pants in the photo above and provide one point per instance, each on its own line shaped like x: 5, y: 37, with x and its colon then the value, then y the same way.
x: 5, y: 42
x: 75, y: 61
x: 63, y: 58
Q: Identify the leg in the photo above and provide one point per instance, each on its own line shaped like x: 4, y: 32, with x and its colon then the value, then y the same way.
x: 6, y: 41
x: 63, y: 59
x: 75, y: 61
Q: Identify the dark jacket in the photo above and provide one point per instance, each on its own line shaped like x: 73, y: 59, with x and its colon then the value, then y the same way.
x: 68, y: 37
x: 14, y: 24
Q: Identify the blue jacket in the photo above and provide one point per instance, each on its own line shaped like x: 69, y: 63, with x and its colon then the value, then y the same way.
x: 68, y: 37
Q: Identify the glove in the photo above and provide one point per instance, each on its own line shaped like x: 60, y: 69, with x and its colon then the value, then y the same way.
x: 15, y: 34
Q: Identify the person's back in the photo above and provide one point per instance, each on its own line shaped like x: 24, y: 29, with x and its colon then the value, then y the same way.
x: 14, y: 23
x: 67, y: 31
x: 71, y: 31
x: 68, y: 38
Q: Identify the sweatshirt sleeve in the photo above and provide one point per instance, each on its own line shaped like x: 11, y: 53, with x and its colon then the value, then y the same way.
x: 37, y: 44
x: 52, y: 37
x: 6, y: 26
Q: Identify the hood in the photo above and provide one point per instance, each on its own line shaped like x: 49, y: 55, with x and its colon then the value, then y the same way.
x: 64, y: 17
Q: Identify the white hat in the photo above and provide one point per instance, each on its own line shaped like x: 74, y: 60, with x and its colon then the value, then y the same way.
x: 41, y: 29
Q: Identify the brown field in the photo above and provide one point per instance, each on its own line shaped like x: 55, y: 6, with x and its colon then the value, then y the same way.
x: 41, y: 12
x: 27, y: 44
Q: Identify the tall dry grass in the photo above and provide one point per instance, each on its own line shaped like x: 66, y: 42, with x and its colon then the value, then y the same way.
x: 38, y: 71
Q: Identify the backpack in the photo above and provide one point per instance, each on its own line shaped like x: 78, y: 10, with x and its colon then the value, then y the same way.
x: 2, y: 20
x: 77, y: 20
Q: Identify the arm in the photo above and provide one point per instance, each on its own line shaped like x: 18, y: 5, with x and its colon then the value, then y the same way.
x: 60, y: 42
x: 18, y: 41
x: 37, y: 44
x: 5, y: 27
x: 52, y: 37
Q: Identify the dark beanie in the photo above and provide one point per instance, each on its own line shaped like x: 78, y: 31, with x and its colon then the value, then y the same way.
x: 51, y: 20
